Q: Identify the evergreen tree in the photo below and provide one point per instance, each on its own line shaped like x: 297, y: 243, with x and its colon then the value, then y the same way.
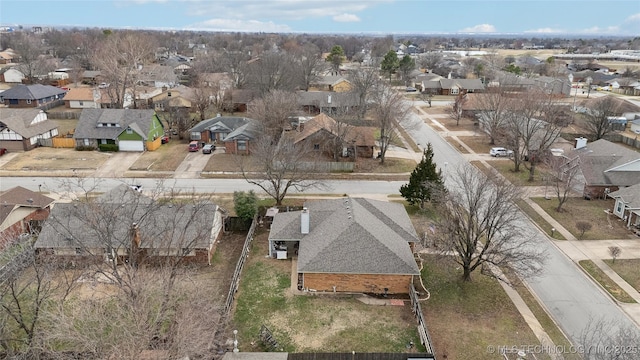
x: 425, y: 181
x: 390, y: 63
x: 335, y: 58
x: 245, y: 204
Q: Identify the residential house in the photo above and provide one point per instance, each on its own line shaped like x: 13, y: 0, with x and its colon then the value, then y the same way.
x: 635, y: 126
x: 221, y: 80
x: 156, y: 75
x: 144, y: 96
x: 241, y: 98
x: 606, y: 167
x: 7, y: 56
x: 176, y: 97
x: 20, y: 129
x: 433, y: 80
x: 139, y: 229
x: 331, y: 83
x: 452, y: 86
x: 316, y: 102
x: 624, y: 86
x: 327, y: 136
x: 33, y: 96
x: 348, y: 245
x: 82, y: 98
x: 11, y: 75
x: 217, y: 129
x: 239, y: 141
x: 91, y: 77
x: 22, y: 211
x: 128, y: 128
x: 627, y: 206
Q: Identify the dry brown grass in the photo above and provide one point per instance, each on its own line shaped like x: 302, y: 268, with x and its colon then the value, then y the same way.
x: 605, y: 281
x: 479, y: 143
x: 592, y: 211
x: 46, y: 159
x: 166, y: 158
x: 628, y: 270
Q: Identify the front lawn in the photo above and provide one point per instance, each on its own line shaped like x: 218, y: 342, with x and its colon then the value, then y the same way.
x: 605, y: 281
x: 604, y: 226
x: 628, y: 269
x: 166, y: 158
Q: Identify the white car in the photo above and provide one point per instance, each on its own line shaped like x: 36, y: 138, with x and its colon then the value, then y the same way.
x: 500, y: 151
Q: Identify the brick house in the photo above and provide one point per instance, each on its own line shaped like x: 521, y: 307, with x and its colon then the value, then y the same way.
x: 216, y: 129
x: 130, y: 220
x: 22, y: 211
x: 606, y: 167
x: 348, y: 245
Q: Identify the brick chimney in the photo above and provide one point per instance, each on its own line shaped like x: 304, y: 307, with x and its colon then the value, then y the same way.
x: 304, y: 221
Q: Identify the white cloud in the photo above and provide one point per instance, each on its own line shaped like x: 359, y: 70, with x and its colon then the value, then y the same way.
x: 239, y: 25
x: 346, y: 18
x: 278, y: 10
x: 601, y: 30
x: 544, y: 31
x: 482, y: 28
x: 633, y: 18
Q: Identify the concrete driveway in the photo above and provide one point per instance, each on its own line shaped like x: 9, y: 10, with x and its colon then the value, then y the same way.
x: 192, y: 165
x: 117, y: 164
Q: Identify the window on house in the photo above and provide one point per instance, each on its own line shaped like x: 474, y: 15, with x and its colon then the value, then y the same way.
x: 86, y: 142
x: 619, y: 207
x: 28, y: 101
x: 13, y: 101
x: 129, y: 131
x: 316, y: 146
x: 454, y: 91
x: 168, y: 93
x: 242, y: 145
x: 81, y: 103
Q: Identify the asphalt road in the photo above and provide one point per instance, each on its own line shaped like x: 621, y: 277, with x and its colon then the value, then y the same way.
x: 564, y: 290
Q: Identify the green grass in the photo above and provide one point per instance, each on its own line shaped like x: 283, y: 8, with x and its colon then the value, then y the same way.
x: 466, y: 317
x: 628, y: 269
x: 539, y: 220
x: 605, y: 281
x: 592, y: 211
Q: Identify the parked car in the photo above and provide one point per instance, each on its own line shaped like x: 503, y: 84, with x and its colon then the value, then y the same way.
x: 103, y: 85
x: 208, y: 149
x: 500, y: 151
x: 164, y: 140
x: 194, y: 146
x: 411, y: 89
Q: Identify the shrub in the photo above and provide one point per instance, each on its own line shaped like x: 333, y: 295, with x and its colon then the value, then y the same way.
x: 108, y: 147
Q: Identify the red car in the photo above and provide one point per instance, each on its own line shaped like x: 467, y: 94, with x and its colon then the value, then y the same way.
x: 165, y: 139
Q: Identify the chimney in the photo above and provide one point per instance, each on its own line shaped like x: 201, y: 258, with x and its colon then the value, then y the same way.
x: 304, y: 221
x: 580, y: 143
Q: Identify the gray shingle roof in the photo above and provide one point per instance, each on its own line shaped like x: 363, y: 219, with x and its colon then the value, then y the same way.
x: 20, y: 121
x: 630, y: 195
x: 32, y: 92
x: 228, y: 123
x: 250, y: 130
x: 87, y: 127
x: 321, y: 98
x: 160, y: 225
x: 602, y: 163
x: 351, y: 235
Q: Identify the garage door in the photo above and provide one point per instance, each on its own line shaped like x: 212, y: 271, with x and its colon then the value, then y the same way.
x: 130, y: 145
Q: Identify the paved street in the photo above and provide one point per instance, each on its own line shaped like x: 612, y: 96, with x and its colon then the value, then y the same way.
x: 570, y: 297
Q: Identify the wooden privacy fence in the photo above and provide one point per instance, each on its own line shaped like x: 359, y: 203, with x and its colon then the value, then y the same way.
x: 235, y: 280
x: 425, y: 339
x: 154, y: 145
x: 58, y: 142
x: 63, y: 115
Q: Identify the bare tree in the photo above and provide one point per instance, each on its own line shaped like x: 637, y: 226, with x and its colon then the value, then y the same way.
x: 272, y: 71
x: 534, y: 125
x: 119, y: 57
x: 455, y: 109
x: 494, y: 110
x: 363, y: 83
x: 480, y: 225
x: 583, y: 227
x: 140, y: 246
x: 389, y: 113
x: 609, y: 339
x: 277, y: 165
x: 597, y: 116
x: 28, y: 289
x: 614, y: 252
x: 429, y: 60
x: 309, y: 64
x: 202, y: 98
x: 178, y: 119
x: 31, y: 53
x: 562, y: 173
x: 274, y: 110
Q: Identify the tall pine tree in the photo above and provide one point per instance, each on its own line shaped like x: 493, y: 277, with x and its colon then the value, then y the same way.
x: 425, y: 181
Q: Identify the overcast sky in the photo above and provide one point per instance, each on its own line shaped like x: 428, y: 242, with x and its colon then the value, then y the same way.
x: 580, y: 17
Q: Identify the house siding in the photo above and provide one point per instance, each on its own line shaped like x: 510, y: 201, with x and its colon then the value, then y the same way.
x: 362, y: 283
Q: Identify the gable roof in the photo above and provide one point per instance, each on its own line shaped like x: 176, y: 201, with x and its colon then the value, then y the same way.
x: 322, y: 122
x: 326, y: 98
x: 629, y: 195
x: 605, y: 163
x: 467, y: 84
x: 220, y: 123
x: 248, y: 131
x: 21, y: 122
x: 160, y: 226
x: 87, y: 127
x: 32, y: 92
x: 21, y: 197
x: 82, y: 94
x: 351, y: 235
